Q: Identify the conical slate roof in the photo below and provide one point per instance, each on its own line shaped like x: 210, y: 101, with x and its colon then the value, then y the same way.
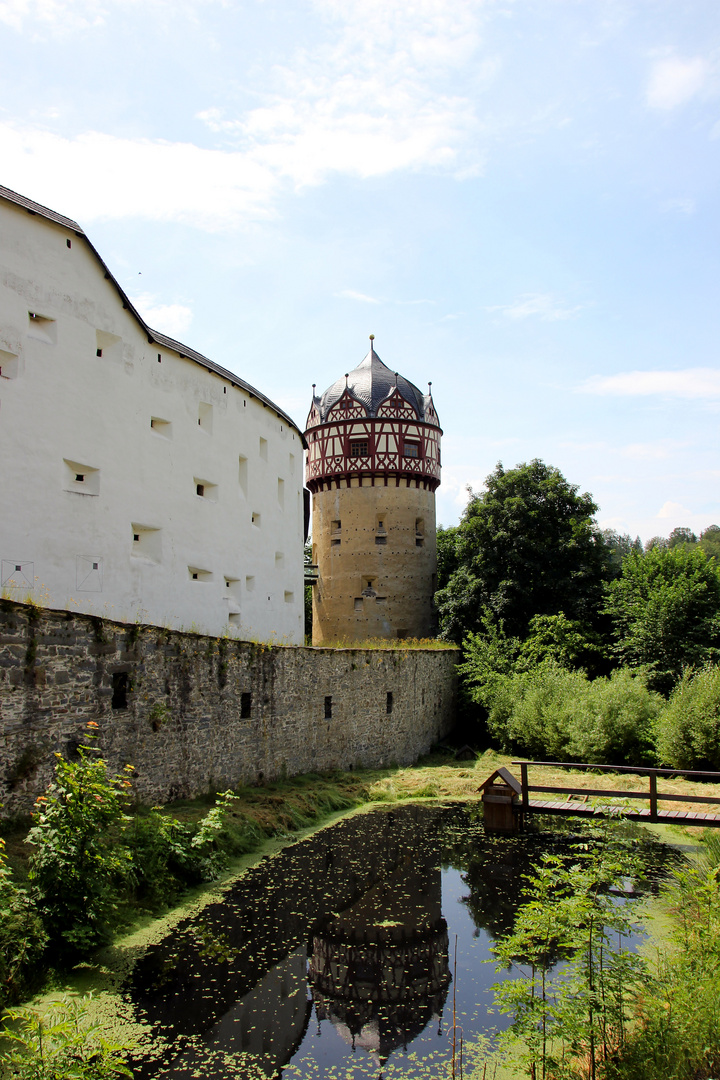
x: 372, y: 382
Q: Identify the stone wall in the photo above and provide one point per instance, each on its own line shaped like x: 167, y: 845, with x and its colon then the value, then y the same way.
x: 193, y: 713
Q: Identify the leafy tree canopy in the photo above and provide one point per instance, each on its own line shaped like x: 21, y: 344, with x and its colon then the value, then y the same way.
x: 527, y: 545
x: 665, y: 608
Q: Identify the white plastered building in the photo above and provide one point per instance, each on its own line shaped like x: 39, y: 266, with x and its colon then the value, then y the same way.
x: 138, y: 480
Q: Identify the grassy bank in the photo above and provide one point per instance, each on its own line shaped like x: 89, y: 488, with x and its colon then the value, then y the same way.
x: 283, y: 807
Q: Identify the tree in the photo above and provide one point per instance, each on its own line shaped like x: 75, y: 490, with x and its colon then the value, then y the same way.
x: 447, y: 562
x: 665, y: 608
x: 681, y: 535
x: 619, y: 545
x: 526, y: 546
x: 710, y: 541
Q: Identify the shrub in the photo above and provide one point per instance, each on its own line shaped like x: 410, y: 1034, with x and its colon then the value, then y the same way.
x: 78, y: 865
x: 22, y: 938
x: 688, y: 735
x: 614, y: 722
x: 553, y: 713
x: 532, y: 712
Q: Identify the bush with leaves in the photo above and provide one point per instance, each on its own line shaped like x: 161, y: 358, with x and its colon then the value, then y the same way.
x: 79, y: 866
x: 549, y: 712
x: 688, y: 735
x: 59, y: 1044
x: 22, y: 937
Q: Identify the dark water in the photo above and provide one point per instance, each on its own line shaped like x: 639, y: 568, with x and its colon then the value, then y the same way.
x: 339, y: 954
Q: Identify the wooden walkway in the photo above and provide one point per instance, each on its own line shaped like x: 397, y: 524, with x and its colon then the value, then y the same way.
x: 573, y: 806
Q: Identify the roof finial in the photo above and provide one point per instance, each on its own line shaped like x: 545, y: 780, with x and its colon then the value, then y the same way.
x: 430, y: 387
x: 372, y: 338
x: 314, y: 385
x: 346, y: 379
x: 396, y: 378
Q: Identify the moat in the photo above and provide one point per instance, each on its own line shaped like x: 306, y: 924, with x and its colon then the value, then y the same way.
x: 344, y: 951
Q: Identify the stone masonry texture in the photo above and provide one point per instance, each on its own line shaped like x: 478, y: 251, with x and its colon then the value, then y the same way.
x: 194, y: 714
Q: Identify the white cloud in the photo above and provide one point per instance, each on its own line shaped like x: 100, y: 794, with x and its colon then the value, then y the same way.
x: 171, y: 319
x: 378, y: 95
x: 690, y: 383
x: 674, y: 510
x: 542, y: 305
x: 350, y: 294
x: 674, y: 81
x: 209, y: 188
x: 375, y: 95
x: 652, y: 451
x: 678, y: 206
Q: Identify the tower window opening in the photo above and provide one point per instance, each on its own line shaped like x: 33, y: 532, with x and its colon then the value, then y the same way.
x: 159, y: 358
x: 335, y: 543
x: 80, y: 477
x: 411, y: 449
x: 98, y: 352
x: 69, y: 243
x: 200, y: 488
x: 245, y: 705
x: 419, y: 542
x: 389, y: 702
x: 358, y: 448
x: 358, y: 603
x: 381, y: 539
x: 328, y: 707
x: 335, y: 526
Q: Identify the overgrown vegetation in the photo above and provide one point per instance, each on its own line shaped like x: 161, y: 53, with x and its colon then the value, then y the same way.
x: 58, y: 1044
x: 584, y: 1005
x: 580, y: 644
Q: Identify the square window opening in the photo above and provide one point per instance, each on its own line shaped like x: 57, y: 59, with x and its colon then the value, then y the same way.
x: 120, y: 688
x: 358, y: 448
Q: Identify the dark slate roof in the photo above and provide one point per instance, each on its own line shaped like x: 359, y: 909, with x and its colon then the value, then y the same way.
x: 41, y: 211
x: 153, y: 336
x: 371, y: 383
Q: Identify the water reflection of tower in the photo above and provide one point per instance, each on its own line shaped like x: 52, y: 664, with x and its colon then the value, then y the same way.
x: 379, y: 971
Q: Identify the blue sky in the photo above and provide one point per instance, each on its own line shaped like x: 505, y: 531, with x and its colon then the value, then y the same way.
x: 519, y: 198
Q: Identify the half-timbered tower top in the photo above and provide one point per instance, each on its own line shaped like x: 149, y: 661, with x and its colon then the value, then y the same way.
x: 372, y: 387
x: 373, y: 422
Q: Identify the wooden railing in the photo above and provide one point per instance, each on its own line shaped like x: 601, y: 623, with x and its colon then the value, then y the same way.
x: 651, y: 795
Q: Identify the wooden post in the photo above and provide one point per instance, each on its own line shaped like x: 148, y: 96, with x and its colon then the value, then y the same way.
x: 653, y: 797
x: 524, y: 783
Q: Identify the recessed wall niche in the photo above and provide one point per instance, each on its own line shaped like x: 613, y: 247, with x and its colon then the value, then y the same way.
x: 42, y: 328
x: 161, y: 427
x: 146, y: 542
x: 108, y: 346
x: 8, y: 365
x: 205, y: 417
x: 82, y: 479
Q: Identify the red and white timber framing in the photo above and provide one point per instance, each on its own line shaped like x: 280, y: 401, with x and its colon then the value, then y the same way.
x: 388, y: 448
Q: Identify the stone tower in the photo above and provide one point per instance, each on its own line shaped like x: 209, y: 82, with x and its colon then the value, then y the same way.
x: 373, y: 466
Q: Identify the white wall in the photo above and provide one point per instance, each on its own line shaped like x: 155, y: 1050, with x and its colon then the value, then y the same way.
x: 65, y: 411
